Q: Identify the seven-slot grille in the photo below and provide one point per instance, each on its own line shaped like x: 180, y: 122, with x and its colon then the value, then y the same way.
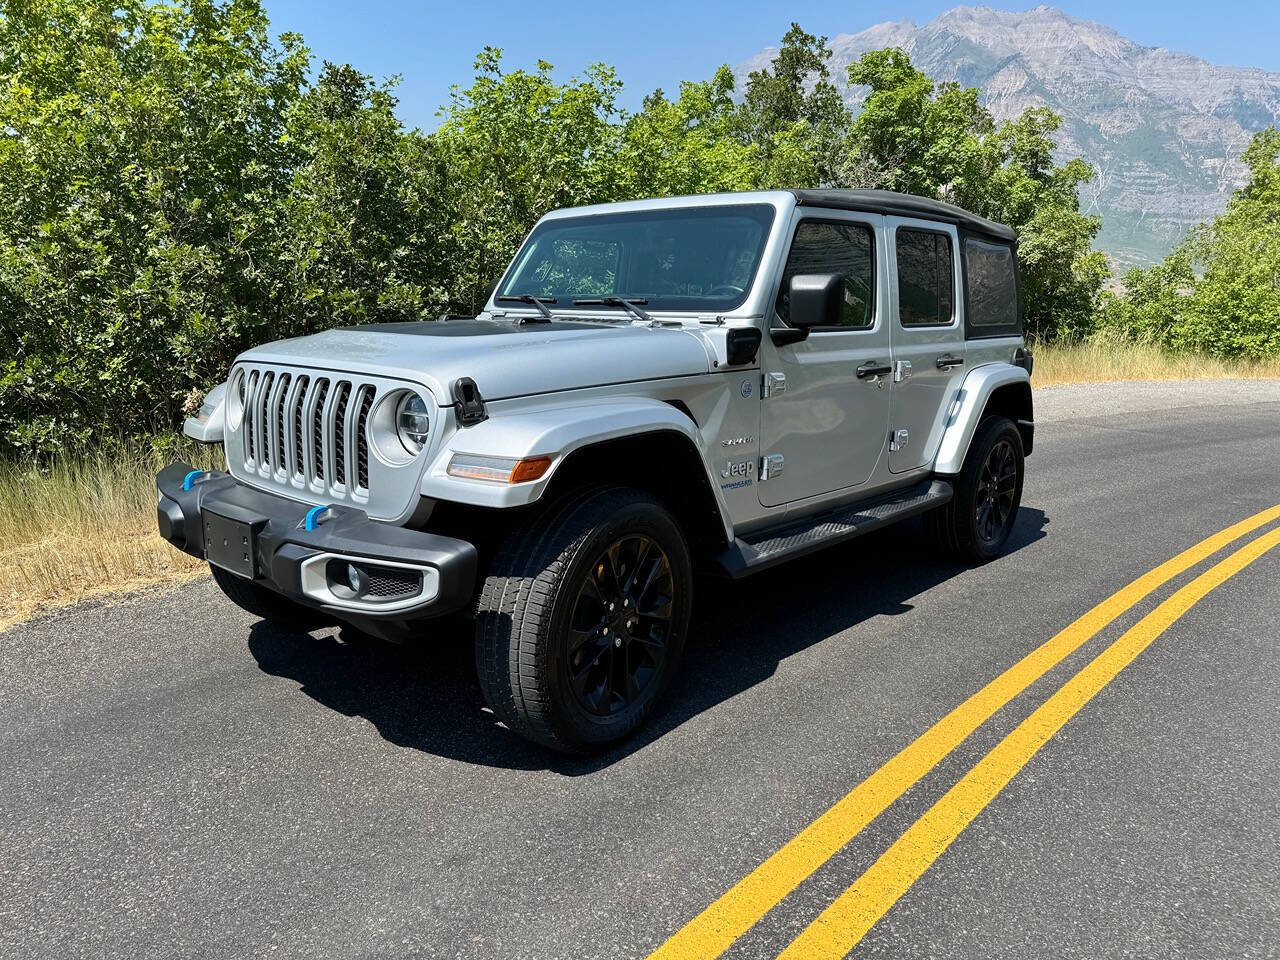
x: 306, y: 428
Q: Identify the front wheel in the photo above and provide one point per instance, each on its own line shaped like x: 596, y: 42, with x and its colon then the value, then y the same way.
x: 977, y: 522
x: 582, y: 619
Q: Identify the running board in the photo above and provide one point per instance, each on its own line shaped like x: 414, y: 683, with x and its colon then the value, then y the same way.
x: 756, y: 552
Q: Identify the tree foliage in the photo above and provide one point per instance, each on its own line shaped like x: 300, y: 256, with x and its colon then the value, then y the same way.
x: 1219, y: 292
x: 938, y: 140
x: 142, y: 166
x: 178, y: 186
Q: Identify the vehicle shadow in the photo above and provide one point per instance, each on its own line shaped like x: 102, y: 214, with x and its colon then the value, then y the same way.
x: 425, y: 696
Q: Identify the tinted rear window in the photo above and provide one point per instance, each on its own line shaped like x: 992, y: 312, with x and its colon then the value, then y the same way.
x: 991, y: 274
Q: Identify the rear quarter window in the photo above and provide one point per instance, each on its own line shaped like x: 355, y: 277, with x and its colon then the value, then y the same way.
x: 991, y: 289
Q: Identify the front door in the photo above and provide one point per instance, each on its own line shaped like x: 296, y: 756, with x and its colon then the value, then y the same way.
x: 927, y: 338
x: 824, y: 420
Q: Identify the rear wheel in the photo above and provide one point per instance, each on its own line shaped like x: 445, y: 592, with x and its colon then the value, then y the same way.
x: 977, y: 522
x: 582, y: 619
x: 267, y: 604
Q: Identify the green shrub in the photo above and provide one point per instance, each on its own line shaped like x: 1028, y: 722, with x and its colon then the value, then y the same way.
x: 1219, y: 292
x: 177, y: 188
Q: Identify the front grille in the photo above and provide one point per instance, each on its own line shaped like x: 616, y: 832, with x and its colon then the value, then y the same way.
x: 317, y: 427
x: 390, y: 583
x: 299, y: 433
x: 341, y: 394
x: 362, y: 438
x: 313, y: 430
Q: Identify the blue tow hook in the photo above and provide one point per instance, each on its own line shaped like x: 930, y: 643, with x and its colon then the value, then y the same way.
x: 314, y: 516
x: 189, y: 480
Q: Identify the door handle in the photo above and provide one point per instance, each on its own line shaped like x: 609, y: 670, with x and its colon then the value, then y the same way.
x: 873, y: 368
x: 948, y: 360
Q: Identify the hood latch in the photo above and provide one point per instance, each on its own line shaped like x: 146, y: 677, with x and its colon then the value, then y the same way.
x: 467, y: 402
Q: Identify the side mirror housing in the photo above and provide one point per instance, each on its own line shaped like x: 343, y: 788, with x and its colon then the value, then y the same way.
x: 817, y: 300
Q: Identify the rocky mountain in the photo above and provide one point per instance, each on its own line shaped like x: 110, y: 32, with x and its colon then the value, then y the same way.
x: 1164, y: 130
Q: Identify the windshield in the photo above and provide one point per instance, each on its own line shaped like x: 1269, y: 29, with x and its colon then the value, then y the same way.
x: 699, y: 259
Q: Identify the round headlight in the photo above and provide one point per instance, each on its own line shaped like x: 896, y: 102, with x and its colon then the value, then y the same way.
x: 412, y: 423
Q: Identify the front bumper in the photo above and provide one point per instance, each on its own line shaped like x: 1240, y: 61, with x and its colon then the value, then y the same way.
x: 293, y: 561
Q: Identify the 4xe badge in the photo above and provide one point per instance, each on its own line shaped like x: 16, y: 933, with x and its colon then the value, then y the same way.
x: 745, y: 389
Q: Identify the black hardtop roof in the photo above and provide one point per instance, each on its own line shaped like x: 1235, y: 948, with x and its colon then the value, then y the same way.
x: 904, y: 205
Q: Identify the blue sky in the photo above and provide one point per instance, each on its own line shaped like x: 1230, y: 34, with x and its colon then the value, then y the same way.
x: 659, y: 43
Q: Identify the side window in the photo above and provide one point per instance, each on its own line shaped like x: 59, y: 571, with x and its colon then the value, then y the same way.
x: 823, y: 246
x: 991, y: 279
x: 926, y: 278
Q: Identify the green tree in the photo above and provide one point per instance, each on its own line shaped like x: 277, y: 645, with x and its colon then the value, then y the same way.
x: 517, y: 145
x: 1062, y: 275
x: 937, y: 140
x: 688, y: 145
x: 794, y: 115
x: 367, y: 235
x: 1219, y: 292
x: 177, y: 188
x: 142, y: 161
x: 914, y: 136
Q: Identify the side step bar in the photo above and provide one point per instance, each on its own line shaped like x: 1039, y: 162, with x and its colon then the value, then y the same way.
x: 759, y: 551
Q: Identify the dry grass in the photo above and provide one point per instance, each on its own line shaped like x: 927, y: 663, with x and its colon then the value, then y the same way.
x: 78, y: 528
x: 1093, y: 361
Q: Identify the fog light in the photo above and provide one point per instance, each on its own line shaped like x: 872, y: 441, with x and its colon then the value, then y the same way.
x: 347, y: 581
x: 357, y: 579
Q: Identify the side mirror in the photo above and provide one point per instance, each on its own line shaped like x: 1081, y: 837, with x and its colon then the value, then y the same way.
x: 817, y: 300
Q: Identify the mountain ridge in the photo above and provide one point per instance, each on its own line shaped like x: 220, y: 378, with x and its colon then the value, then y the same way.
x: 1163, y: 129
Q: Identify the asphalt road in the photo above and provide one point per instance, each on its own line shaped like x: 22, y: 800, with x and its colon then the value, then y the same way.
x: 177, y: 780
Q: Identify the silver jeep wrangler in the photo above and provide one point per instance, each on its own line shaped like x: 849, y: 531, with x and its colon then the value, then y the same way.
x: 718, y: 383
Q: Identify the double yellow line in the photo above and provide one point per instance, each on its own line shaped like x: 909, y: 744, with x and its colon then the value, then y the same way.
x: 839, y: 928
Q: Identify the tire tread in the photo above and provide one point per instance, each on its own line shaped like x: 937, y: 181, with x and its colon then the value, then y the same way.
x: 515, y: 605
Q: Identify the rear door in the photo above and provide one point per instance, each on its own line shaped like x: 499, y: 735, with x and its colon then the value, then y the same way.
x: 821, y: 421
x: 927, y: 337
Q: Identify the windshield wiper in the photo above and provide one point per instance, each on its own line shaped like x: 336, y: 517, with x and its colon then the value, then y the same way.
x: 629, y: 305
x: 529, y: 298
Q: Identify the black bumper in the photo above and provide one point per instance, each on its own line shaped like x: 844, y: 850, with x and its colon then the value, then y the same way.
x: 283, y: 545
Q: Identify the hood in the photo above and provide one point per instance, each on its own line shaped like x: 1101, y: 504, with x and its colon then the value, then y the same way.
x: 504, y: 359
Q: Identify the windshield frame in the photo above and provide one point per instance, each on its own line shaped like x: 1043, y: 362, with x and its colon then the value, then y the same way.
x: 762, y: 210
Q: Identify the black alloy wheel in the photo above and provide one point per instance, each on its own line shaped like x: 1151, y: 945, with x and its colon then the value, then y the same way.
x: 997, y: 492
x: 619, y: 625
x: 976, y: 524
x: 582, y: 618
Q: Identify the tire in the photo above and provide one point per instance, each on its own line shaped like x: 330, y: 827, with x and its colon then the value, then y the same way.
x: 557, y: 664
x: 975, y: 525
x: 267, y: 604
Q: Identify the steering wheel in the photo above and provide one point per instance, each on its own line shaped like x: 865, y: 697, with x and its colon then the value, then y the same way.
x: 724, y: 289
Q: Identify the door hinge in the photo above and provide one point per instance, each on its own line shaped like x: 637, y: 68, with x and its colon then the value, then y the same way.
x: 773, y: 383
x: 898, y: 440
x: 771, y: 466
x: 901, y: 370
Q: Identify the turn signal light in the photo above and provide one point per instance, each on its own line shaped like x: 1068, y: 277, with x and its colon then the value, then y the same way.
x: 498, y: 469
x: 530, y: 469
